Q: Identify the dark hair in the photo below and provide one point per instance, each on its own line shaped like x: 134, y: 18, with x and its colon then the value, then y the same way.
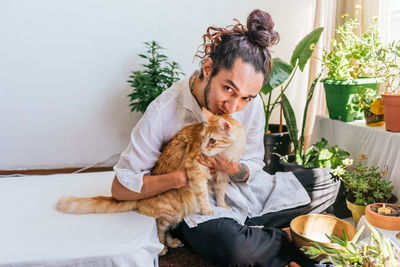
x: 251, y: 43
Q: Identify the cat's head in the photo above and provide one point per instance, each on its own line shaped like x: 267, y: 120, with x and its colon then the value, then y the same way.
x: 221, y: 133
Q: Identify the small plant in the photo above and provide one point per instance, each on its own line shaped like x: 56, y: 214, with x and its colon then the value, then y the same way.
x: 353, y: 56
x: 379, y: 251
x: 363, y: 99
x: 320, y: 155
x: 388, y: 62
x: 365, y: 184
x: 159, y: 74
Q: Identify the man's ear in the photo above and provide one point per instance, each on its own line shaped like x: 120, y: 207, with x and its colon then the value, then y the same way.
x: 207, y: 68
x: 207, y: 113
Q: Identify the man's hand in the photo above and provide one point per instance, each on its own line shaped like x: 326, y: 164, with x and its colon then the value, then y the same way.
x: 181, y: 177
x: 218, y: 163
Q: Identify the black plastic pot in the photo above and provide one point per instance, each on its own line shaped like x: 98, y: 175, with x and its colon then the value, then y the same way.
x: 275, y: 142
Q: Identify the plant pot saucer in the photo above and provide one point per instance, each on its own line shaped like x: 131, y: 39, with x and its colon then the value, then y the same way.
x: 382, y: 221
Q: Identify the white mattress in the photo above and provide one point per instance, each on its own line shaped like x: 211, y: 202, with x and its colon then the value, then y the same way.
x: 33, y: 233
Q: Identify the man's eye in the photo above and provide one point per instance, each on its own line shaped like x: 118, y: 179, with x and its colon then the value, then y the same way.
x: 228, y: 89
x: 246, y: 99
x: 212, y: 141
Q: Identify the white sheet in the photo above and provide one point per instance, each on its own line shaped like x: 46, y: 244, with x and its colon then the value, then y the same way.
x: 33, y: 233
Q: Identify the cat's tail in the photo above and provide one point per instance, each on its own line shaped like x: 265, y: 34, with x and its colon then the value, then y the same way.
x: 100, y: 204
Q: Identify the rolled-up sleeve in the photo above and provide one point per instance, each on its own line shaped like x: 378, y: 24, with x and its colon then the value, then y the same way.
x: 142, y: 152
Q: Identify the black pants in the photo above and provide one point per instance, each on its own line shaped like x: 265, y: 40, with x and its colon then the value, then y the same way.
x: 225, y: 242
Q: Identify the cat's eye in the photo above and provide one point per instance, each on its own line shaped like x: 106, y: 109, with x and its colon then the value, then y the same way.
x: 212, y: 141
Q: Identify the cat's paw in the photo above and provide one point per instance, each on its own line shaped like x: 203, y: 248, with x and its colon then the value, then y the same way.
x: 163, y: 252
x: 174, y: 243
x: 207, y: 211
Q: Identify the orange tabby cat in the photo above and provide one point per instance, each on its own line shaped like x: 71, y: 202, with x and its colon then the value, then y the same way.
x: 220, y: 135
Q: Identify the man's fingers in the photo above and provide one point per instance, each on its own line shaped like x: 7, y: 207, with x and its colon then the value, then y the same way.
x: 203, y: 162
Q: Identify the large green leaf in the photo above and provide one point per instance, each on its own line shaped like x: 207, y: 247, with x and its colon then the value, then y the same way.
x: 290, y: 118
x: 279, y: 74
x: 303, y: 50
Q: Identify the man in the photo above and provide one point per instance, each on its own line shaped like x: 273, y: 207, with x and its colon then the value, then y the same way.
x: 236, y: 64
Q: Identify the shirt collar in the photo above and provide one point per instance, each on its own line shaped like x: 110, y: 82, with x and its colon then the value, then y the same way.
x: 190, y: 103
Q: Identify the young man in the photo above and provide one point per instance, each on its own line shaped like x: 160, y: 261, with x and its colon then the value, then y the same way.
x: 236, y: 64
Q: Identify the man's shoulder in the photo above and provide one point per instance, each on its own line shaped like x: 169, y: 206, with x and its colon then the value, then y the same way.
x: 169, y: 99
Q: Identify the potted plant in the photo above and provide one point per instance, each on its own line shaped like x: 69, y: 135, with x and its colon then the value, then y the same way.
x: 318, y: 155
x: 352, y: 59
x: 158, y: 75
x: 364, y: 185
x: 389, y: 70
x: 377, y: 251
x: 370, y: 102
x: 276, y: 138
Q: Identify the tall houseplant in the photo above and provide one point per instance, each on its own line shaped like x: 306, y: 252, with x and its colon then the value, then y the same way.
x: 352, y: 59
x: 158, y: 75
x: 281, y: 76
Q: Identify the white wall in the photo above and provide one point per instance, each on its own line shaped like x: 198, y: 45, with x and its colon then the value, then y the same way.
x: 64, y: 66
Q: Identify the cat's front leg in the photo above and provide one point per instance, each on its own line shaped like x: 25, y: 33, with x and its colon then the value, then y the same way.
x: 220, y: 181
x: 198, y: 181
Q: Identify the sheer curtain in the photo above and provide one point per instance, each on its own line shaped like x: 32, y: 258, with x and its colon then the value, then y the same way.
x: 328, y: 14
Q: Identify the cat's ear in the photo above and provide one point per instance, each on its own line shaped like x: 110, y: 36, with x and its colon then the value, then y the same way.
x: 225, y: 126
x: 207, y: 113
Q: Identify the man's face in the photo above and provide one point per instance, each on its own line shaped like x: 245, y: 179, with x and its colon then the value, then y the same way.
x: 231, y: 90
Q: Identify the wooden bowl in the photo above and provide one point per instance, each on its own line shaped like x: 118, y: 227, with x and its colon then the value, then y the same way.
x: 313, y: 227
x: 382, y: 221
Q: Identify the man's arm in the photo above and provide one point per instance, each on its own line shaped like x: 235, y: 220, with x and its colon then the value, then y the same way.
x: 152, y: 185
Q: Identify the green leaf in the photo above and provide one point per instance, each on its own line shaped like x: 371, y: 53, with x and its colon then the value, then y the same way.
x: 290, y: 119
x: 302, y: 52
x: 279, y: 74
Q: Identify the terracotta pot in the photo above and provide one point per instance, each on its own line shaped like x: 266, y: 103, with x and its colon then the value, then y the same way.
x: 382, y: 221
x: 391, y: 103
x: 356, y: 210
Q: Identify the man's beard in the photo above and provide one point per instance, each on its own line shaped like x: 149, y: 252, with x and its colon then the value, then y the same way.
x: 207, y: 94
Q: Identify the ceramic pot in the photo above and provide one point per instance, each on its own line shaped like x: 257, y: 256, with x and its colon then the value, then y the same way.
x: 356, y: 210
x: 314, y: 227
x: 374, y: 116
x: 391, y: 103
x: 339, y: 95
x: 275, y: 142
x: 382, y: 221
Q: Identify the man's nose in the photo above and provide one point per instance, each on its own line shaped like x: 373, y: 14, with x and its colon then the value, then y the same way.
x: 232, y: 105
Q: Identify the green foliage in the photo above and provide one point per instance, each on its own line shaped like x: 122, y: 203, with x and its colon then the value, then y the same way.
x: 378, y: 251
x: 388, y: 66
x: 283, y: 72
x: 352, y: 55
x: 366, y: 184
x: 320, y: 155
x: 158, y: 75
x: 363, y: 99
x: 291, y: 124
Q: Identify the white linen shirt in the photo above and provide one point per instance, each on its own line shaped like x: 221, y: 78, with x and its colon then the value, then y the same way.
x: 176, y: 108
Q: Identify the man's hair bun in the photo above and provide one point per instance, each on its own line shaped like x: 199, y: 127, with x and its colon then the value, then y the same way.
x: 261, y: 29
